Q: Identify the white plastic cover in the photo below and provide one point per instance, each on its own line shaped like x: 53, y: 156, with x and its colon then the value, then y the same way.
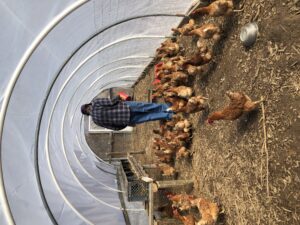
x: 55, y: 56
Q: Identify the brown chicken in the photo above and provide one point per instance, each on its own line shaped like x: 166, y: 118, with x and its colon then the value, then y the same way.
x: 187, y: 219
x: 178, y: 104
x: 180, y: 91
x: 171, y: 145
x: 168, y: 48
x: 167, y: 67
x: 163, y: 144
x: 209, y: 211
x: 167, y: 126
x: 182, y: 136
x: 159, y: 89
x: 178, y: 199
x: 198, y: 59
x: 173, y: 135
x: 195, y: 104
x: 182, y: 153
x: 166, y: 169
x: 239, y: 103
x: 181, y: 201
x: 202, y: 45
x: 164, y: 158
x: 207, y: 31
x: 216, y: 8
x: 183, y: 125
x: 185, y: 28
x: 171, y: 123
x: 192, y: 70
x: 175, y: 78
x: 162, y: 131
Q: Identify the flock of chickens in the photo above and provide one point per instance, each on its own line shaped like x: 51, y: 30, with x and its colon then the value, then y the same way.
x: 173, y: 77
x: 182, y: 205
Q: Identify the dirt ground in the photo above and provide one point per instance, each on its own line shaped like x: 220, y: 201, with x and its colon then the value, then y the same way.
x: 256, y: 183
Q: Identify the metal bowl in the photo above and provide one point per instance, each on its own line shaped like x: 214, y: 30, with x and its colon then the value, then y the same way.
x: 248, y: 34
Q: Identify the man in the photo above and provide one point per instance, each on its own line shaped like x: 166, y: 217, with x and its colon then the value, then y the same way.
x: 116, y: 114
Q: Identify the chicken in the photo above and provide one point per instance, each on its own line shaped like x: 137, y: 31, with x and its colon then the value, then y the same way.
x: 175, y: 78
x: 192, y: 70
x: 209, y: 211
x: 202, y: 46
x: 164, y: 158
x: 177, y: 59
x: 163, y: 144
x: 171, y: 123
x: 167, y: 126
x: 157, y: 67
x: 169, y: 44
x: 178, y: 199
x: 180, y: 91
x: 182, y: 153
x: 178, y: 104
x: 239, y: 103
x: 216, y: 8
x: 195, y: 104
x: 159, y: 89
x: 183, y: 125
x: 168, y: 48
x: 198, y: 59
x: 185, y: 219
x: 207, y: 31
x: 173, y: 135
x: 182, y: 136
x: 166, y: 169
x: 166, y: 67
x: 181, y: 201
x: 185, y: 28
x: 168, y: 145
x: 162, y: 130
x: 163, y: 133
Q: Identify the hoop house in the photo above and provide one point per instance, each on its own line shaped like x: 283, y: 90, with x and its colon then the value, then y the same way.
x: 56, y: 55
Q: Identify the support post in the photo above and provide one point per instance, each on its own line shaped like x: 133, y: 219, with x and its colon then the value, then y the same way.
x: 150, y: 212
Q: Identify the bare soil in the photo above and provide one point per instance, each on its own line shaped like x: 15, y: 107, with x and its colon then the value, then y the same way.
x: 255, y: 184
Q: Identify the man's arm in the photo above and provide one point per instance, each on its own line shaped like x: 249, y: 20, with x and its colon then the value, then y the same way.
x: 106, y: 101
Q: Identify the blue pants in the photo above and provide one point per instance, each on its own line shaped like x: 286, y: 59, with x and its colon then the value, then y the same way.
x: 141, y: 112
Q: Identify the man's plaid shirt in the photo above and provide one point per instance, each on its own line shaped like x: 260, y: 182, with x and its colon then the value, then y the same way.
x: 112, y: 114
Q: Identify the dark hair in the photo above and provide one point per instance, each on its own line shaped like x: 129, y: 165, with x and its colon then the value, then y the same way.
x: 85, y: 109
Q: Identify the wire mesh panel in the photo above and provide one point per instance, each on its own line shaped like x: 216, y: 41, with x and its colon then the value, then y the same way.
x: 137, y: 191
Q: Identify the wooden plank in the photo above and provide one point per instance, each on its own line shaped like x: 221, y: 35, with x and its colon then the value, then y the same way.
x: 173, y: 183
x: 149, y: 166
x: 136, y: 167
x: 116, y: 153
x: 125, y: 153
x: 111, y: 141
x: 138, y: 152
x: 167, y: 221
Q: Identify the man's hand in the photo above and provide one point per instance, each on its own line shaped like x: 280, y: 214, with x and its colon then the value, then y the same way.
x: 124, y: 96
x: 147, y: 179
